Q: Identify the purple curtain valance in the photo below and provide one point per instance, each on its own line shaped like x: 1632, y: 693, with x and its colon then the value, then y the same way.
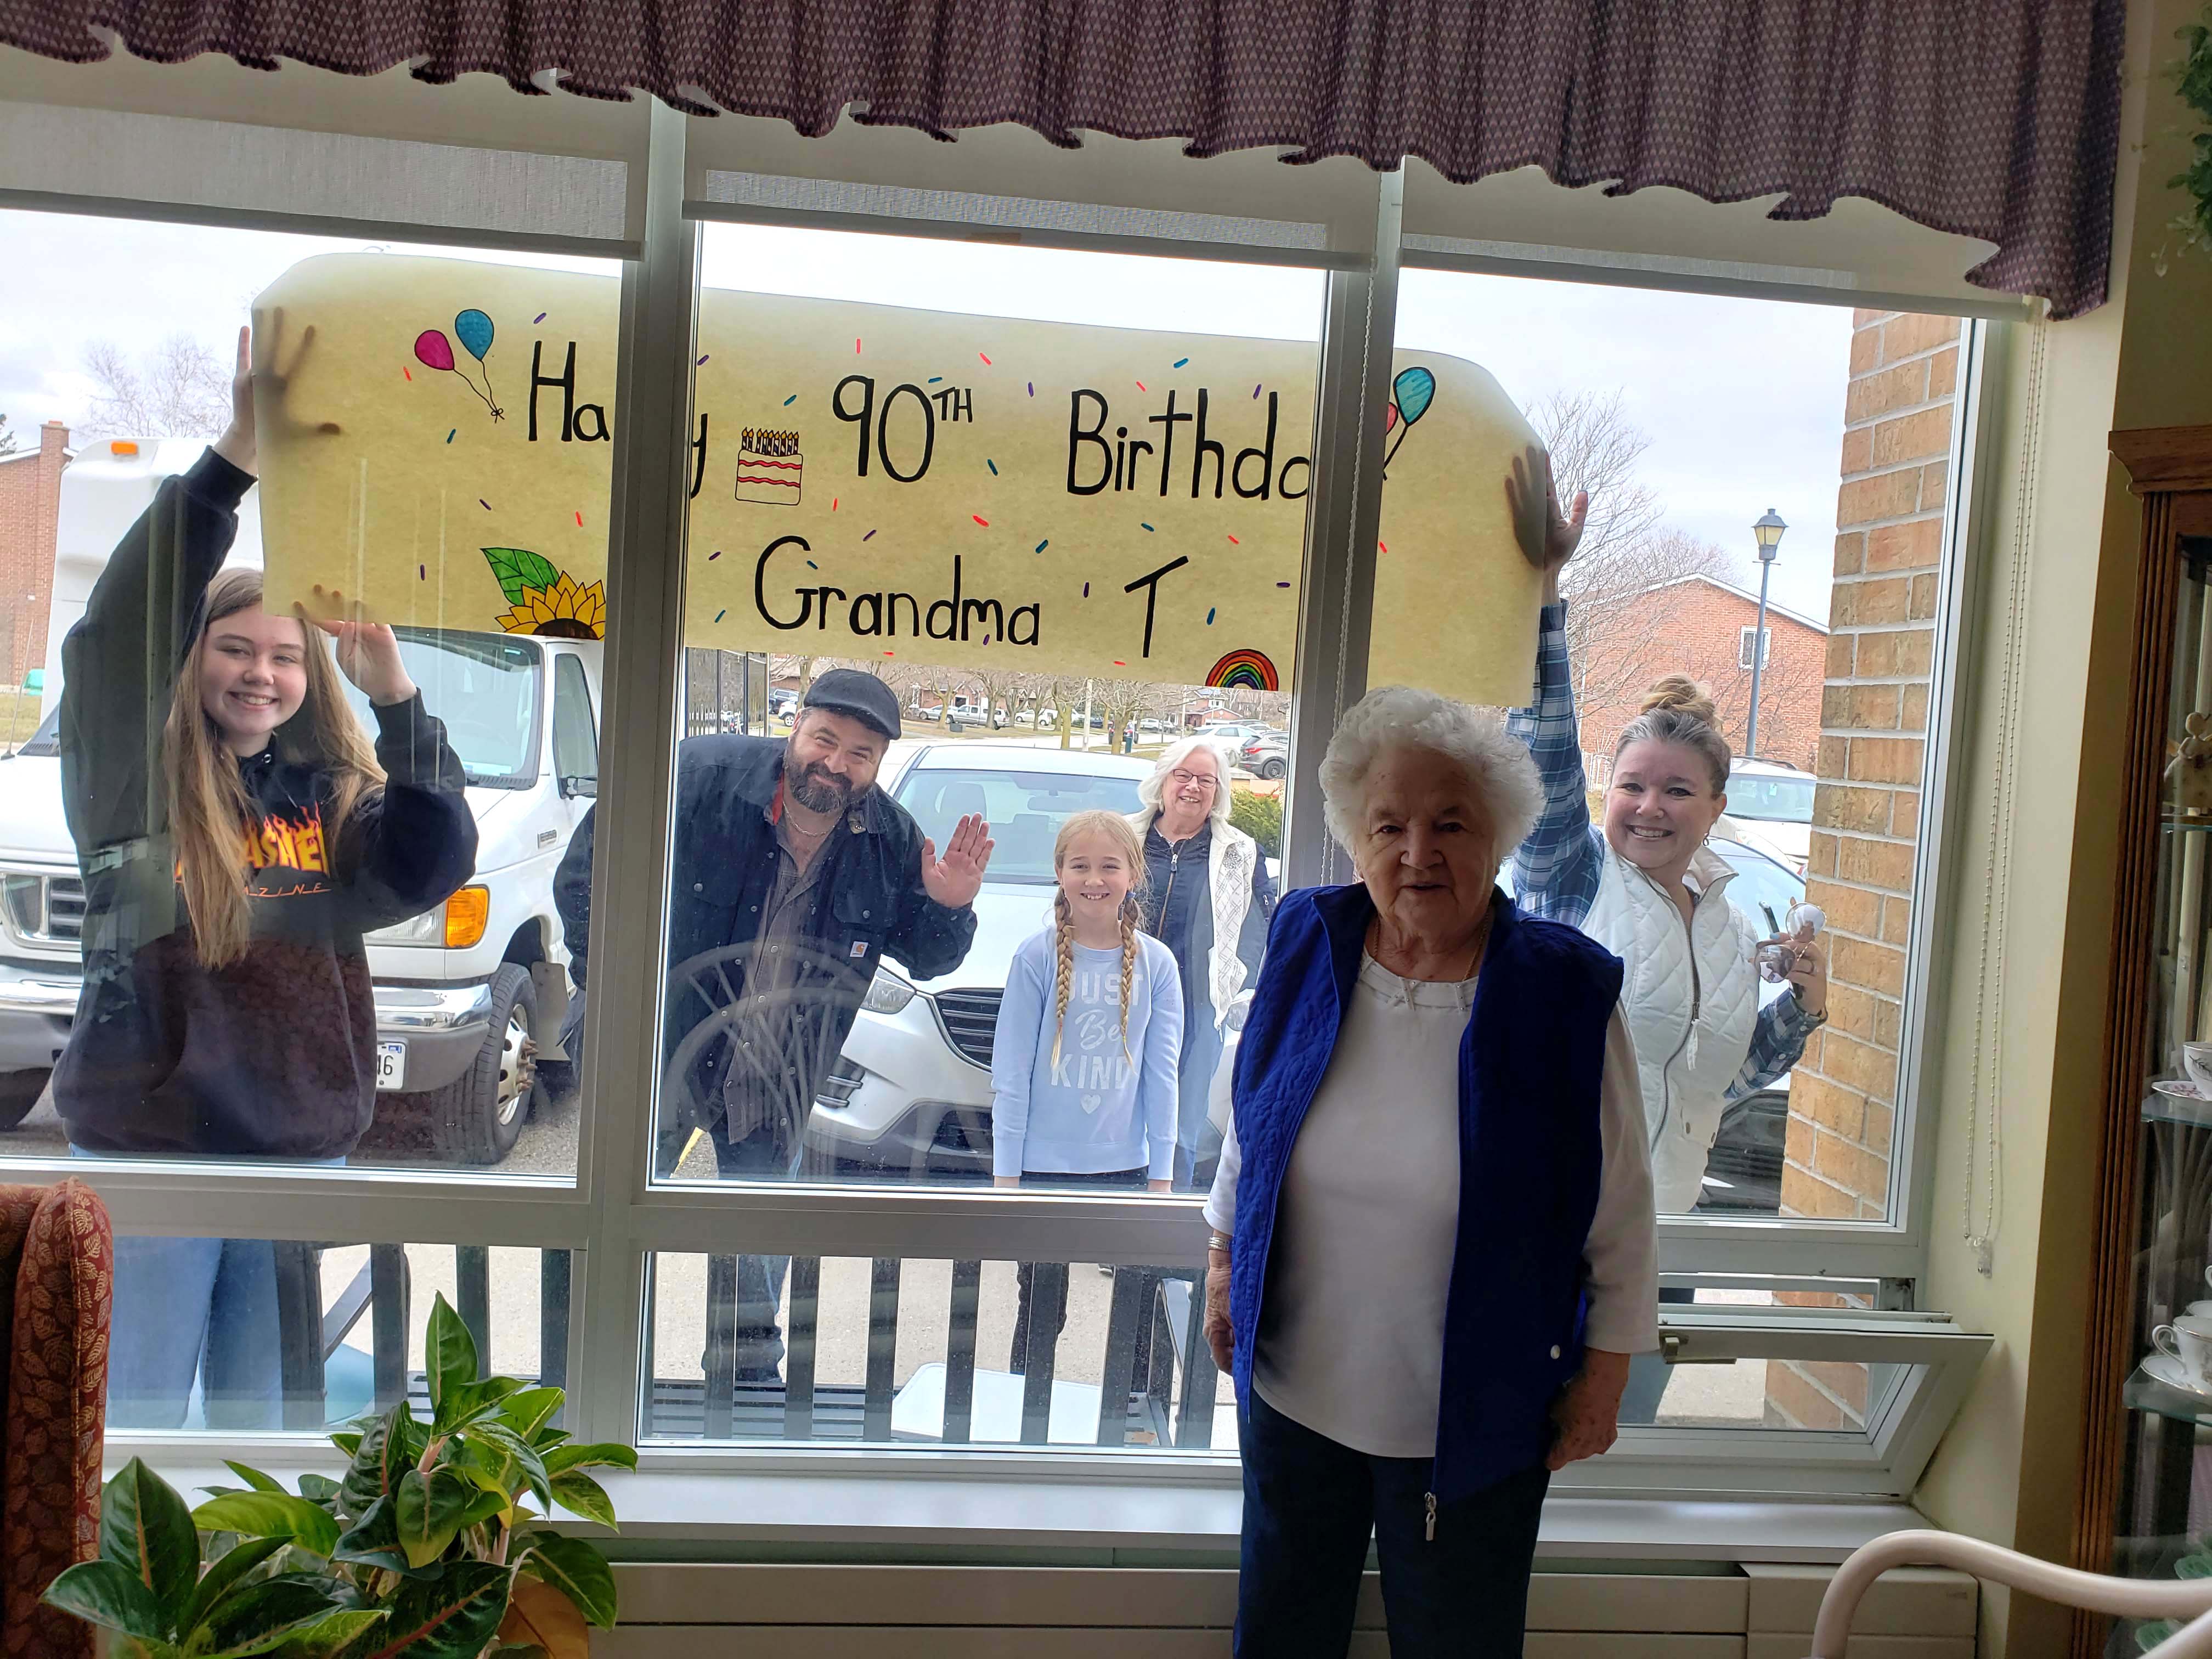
x: 1992, y: 119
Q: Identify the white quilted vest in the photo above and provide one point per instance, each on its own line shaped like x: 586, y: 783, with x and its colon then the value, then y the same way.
x: 1690, y: 996
x: 1230, y: 856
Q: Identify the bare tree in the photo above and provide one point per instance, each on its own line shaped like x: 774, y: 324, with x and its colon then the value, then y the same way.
x: 179, y: 389
x: 1622, y: 632
x: 8, y: 443
x: 1594, y: 445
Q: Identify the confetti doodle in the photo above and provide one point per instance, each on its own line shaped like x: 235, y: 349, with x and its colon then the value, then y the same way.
x: 1032, y: 388
x: 870, y: 537
x: 408, y: 372
x: 1044, y: 544
x: 1244, y: 670
x: 422, y: 573
x: 1118, y: 663
x: 538, y: 318
x: 1282, y: 584
x: 986, y: 361
x: 792, y: 399
x: 890, y: 653
x: 1140, y: 385
x: 1146, y: 527
x: 993, y: 464
x: 856, y: 352
x: 811, y: 565
x: 981, y: 520
x: 580, y: 520
x: 483, y: 503
x: 1233, y: 542
x: 1181, y: 362
x: 1086, y: 590
x: 1255, y: 390
x: 702, y: 363
x: 1209, y: 616
x: 833, y: 503
x: 715, y: 555
x: 449, y: 435
x: 1385, y: 546
x: 718, y: 615
x: 934, y: 379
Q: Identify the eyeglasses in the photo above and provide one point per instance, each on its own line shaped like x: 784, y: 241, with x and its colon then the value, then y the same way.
x: 1183, y: 780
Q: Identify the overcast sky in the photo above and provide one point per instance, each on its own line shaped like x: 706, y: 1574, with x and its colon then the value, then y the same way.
x: 1742, y: 400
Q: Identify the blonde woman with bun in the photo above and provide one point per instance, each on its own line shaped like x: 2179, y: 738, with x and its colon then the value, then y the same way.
x: 1645, y: 885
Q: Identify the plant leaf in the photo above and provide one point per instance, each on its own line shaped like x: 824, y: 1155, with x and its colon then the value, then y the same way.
x: 374, y: 1542
x: 449, y: 1356
x: 347, y: 1441
x: 451, y: 1616
x: 562, y: 1459
x: 578, y: 1494
x: 519, y: 570
x: 474, y: 1400
x: 223, y: 1575
x: 242, y: 1622
x: 528, y: 1410
x: 546, y: 1439
x: 318, y: 1489
x: 541, y: 1615
x: 575, y: 1568
x: 253, y: 1478
x: 429, y: 1511
x: 323, y: 1637
x: 145, y: 1528
x: 108, y: 1594
x: 383, y: 1454
x: 521, y: 1453
x: 272, y: 1514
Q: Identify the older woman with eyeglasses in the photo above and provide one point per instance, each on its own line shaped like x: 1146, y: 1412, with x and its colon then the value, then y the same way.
x: 1208, y: 901
x: 1433, y: 1250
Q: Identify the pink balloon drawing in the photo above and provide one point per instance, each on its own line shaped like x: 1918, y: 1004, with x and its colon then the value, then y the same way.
x: 1389, y: 417
x: 434, y: 351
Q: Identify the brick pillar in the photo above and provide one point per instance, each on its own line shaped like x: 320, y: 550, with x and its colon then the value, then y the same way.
x: 30, y: 513
x: 1874, y: 717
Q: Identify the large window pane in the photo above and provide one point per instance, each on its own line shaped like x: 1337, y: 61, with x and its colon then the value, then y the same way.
x: 1690, y: 420
x: 271, y: 891
x: 1046, y: 536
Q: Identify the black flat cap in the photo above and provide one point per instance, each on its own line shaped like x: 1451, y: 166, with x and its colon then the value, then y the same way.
x: 849, y: 691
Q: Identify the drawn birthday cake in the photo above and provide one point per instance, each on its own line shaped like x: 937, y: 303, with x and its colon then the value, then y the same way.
x: 770, y: 467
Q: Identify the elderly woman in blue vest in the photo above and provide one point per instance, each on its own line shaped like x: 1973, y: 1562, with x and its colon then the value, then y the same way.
x: 1647, y: 887
x: 1208, y: 901
x: 1433, y: 1209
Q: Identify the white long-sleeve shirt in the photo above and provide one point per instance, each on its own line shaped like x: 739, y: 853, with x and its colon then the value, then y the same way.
x: 1351, y: 1342
x: 1108, y: 1103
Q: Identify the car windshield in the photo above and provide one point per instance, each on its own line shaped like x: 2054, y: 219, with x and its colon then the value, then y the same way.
x: 1024, y: 809
x: 1763, y: 890
x: 43, y: 740
x: 1780, y: 798
x: 484, y: 687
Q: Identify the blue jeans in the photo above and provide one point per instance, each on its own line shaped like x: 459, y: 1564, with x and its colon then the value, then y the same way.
x: 188, y: 1307
x: 1309, y: 1505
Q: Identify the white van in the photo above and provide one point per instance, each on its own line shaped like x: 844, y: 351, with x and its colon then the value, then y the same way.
x: 469, y: 996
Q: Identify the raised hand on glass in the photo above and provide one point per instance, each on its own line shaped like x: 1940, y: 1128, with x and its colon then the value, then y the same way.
x: 954, y: 880
x: 368, y: 653
x: 1547, y: 537
x: 260, y: 368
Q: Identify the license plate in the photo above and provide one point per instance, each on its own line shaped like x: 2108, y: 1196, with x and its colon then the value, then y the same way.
x: 390, y: 1066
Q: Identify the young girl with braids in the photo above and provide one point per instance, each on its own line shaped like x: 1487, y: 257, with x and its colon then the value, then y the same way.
x: 1090, y: 1036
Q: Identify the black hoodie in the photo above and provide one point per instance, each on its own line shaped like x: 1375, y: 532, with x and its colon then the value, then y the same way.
x: 274, y: 1055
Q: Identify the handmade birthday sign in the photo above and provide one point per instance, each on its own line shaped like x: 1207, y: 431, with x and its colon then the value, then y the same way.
x: 871, y: 481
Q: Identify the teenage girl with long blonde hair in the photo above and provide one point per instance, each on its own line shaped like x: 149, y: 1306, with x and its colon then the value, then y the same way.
x: 238, y: 835
x: 1090, y: 1035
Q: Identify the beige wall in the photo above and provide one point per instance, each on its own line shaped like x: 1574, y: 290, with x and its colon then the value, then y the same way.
x: 2024, y: 1021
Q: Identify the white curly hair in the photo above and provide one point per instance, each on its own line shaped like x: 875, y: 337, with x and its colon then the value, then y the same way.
x: 1474, y: 740
x: 1151, y: 788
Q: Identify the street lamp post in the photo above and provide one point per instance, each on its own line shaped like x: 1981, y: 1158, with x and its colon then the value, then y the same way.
x: 1768, y: 530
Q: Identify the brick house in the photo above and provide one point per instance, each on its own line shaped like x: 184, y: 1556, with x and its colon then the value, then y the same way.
x: 1701, y: 625
x: 30, y: 510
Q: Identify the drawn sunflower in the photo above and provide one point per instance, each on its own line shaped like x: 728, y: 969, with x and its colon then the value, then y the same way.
x: 544, y: 599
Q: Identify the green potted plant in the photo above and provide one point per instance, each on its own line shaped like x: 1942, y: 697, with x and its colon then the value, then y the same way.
x: 2193, y: 78
x: 428, y: 1548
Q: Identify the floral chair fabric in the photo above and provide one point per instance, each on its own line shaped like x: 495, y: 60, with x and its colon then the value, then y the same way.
x: 57, y: 1278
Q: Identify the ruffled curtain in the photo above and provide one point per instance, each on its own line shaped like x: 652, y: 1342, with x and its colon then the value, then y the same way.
x: 1992, y: 119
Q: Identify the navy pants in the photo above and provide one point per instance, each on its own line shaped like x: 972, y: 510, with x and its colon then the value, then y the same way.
x: 1310, y: 1506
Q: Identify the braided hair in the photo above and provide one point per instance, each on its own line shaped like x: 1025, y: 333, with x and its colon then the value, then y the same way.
x: 1119, y: 830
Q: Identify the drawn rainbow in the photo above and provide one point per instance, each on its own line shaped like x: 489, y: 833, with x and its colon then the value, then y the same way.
x: 1245, y: 670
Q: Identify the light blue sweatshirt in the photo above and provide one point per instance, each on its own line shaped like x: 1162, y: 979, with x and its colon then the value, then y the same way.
x: 1097, y: 1111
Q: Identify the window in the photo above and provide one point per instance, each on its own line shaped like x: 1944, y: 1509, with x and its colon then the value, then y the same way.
x: 1765, y: 647
x: 1073, y: 615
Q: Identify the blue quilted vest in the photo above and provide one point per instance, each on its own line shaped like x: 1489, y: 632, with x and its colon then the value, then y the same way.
x: 1528, y: 1073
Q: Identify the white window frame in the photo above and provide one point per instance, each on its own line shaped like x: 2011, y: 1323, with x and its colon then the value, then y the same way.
x: 612, y: 1217
x: 1743, y: 646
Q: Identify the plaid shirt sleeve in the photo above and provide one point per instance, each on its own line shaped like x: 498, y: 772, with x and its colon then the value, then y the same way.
x: 1556, y: 870
x: 1777, y: 1043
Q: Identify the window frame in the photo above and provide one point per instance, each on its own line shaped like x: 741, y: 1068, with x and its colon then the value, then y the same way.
x: 1743, y: 646
x: 611, y: 1213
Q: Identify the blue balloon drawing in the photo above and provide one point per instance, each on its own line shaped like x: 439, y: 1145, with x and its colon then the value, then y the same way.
x: 1411, y: 394
x: 473, y: 330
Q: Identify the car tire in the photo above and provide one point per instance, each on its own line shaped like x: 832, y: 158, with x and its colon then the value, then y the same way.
x: 19, y: 1092
x: 477, y: 1117
x: 1273, y: 768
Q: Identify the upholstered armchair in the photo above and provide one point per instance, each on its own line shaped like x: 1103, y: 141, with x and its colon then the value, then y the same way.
x: 56, y: 1276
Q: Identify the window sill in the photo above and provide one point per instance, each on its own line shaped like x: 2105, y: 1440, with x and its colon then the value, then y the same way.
x: 707, y: 1514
